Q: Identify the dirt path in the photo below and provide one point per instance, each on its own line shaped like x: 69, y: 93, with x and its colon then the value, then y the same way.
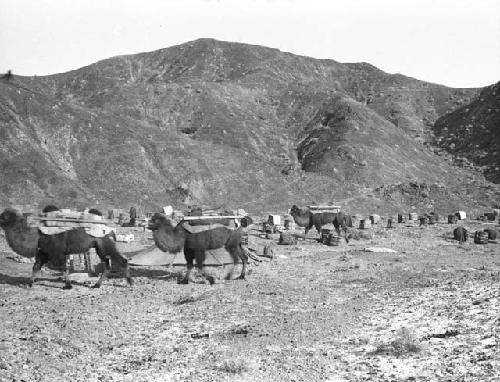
x: 429, y: 312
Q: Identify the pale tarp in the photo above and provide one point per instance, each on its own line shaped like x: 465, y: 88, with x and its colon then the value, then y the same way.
x: 274, y: 219
x: 99, y: 230
x: 201, y: 228
x: 168, y: 210
x: 152, y: 256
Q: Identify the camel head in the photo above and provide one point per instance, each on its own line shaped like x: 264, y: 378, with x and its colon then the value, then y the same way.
x: 9, y: 217
x: 157, y: 220
x: 294, y: 210
x: 167, y: 237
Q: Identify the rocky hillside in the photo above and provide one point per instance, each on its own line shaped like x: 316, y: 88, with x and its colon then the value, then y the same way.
x: 472, y: 133
x: 218, y: 123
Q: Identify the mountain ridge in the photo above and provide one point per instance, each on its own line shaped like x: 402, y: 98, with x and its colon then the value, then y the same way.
x: 217, y: 123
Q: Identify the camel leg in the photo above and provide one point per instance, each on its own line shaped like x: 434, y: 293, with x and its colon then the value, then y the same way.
x: 200, y: 260
x: 344, y: 227
x: 40, y: 259
x: 244, y: 262
x: 67, y: 281
x: 318, y: 228
x: 124, y: 264
x: 36, y: 271
x: 127, y: 275
x: 337, y: 229
x: 104, y: 275
x: 189, y: 264
x: 237, y: 253
x: 210, y: 278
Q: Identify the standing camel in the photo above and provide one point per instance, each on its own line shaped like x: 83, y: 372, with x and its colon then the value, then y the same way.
x: 30, y: 242
x: 172, y: 239
x: 304, y: 217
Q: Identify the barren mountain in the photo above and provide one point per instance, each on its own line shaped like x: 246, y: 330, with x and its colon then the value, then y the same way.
x: 219, y: 123
x: 472, y: 132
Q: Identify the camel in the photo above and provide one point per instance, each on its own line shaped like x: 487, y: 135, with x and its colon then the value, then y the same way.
x: 30, y: 242
x: 304, y: 217
x: 195, y: 244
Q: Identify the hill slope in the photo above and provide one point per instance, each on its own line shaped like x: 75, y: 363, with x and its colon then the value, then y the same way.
x: 217, y: 123
x: 473, y: 132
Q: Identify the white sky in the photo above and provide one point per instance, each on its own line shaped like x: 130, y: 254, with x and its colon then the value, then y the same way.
x: 451, y: 42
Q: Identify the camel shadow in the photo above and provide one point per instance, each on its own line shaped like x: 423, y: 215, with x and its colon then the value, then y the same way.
x: 23, y: 281
x: 156, y: 274
x: 13, y: 280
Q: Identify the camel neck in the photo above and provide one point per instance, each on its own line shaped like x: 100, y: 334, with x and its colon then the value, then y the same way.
x: 22, y: 239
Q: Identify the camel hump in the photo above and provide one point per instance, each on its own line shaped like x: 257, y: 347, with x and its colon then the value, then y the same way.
x: 202, y: 228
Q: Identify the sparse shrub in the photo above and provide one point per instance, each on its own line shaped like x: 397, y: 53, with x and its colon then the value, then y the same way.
x: 234, y: 366
x: 187, y: 299
x: 360, y: 235
x: 404, y: 344
x: 9, y: 75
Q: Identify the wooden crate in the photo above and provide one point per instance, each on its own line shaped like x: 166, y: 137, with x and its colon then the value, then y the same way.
x: 333, y: 240
x: 87, y: 262
x: 365, y: 223
x: 244, y: 239
x: 325, y: 232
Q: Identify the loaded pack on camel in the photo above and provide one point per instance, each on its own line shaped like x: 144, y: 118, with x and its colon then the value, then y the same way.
x: 54, y: 235
x: 196, y: 235
x: 308, y: 218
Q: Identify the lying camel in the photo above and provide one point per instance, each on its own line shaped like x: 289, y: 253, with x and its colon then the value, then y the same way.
x: 195, y: 244
x: 30, y: 242
x: 304, y: 217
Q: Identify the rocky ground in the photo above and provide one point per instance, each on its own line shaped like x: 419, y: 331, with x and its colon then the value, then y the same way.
x: 428, y: 312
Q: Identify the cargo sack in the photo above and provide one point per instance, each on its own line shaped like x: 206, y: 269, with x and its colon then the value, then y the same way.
x: 401, y: 218
x: 490, y: 216
x: 268, y: 251
x: 324, y: 235
x: 244, y: 239
x: 460, y: 234
x: 492, y: 233
x: 365, y: 223
x: 432, y: 219
x: 272, y: 236
x: 268, y: 228
x: 332, y: 240
x: 452, y: 219
x: 375, y: 219
x: 246, y: 221
x: 481, y: 237
x: 286, y: 238
x: 348, y: 221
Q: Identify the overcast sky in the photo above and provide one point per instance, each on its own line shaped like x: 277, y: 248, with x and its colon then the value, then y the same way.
x: 451, y: 42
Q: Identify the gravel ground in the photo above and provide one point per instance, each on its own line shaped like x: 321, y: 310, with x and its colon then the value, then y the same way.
x: 429, y: 312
